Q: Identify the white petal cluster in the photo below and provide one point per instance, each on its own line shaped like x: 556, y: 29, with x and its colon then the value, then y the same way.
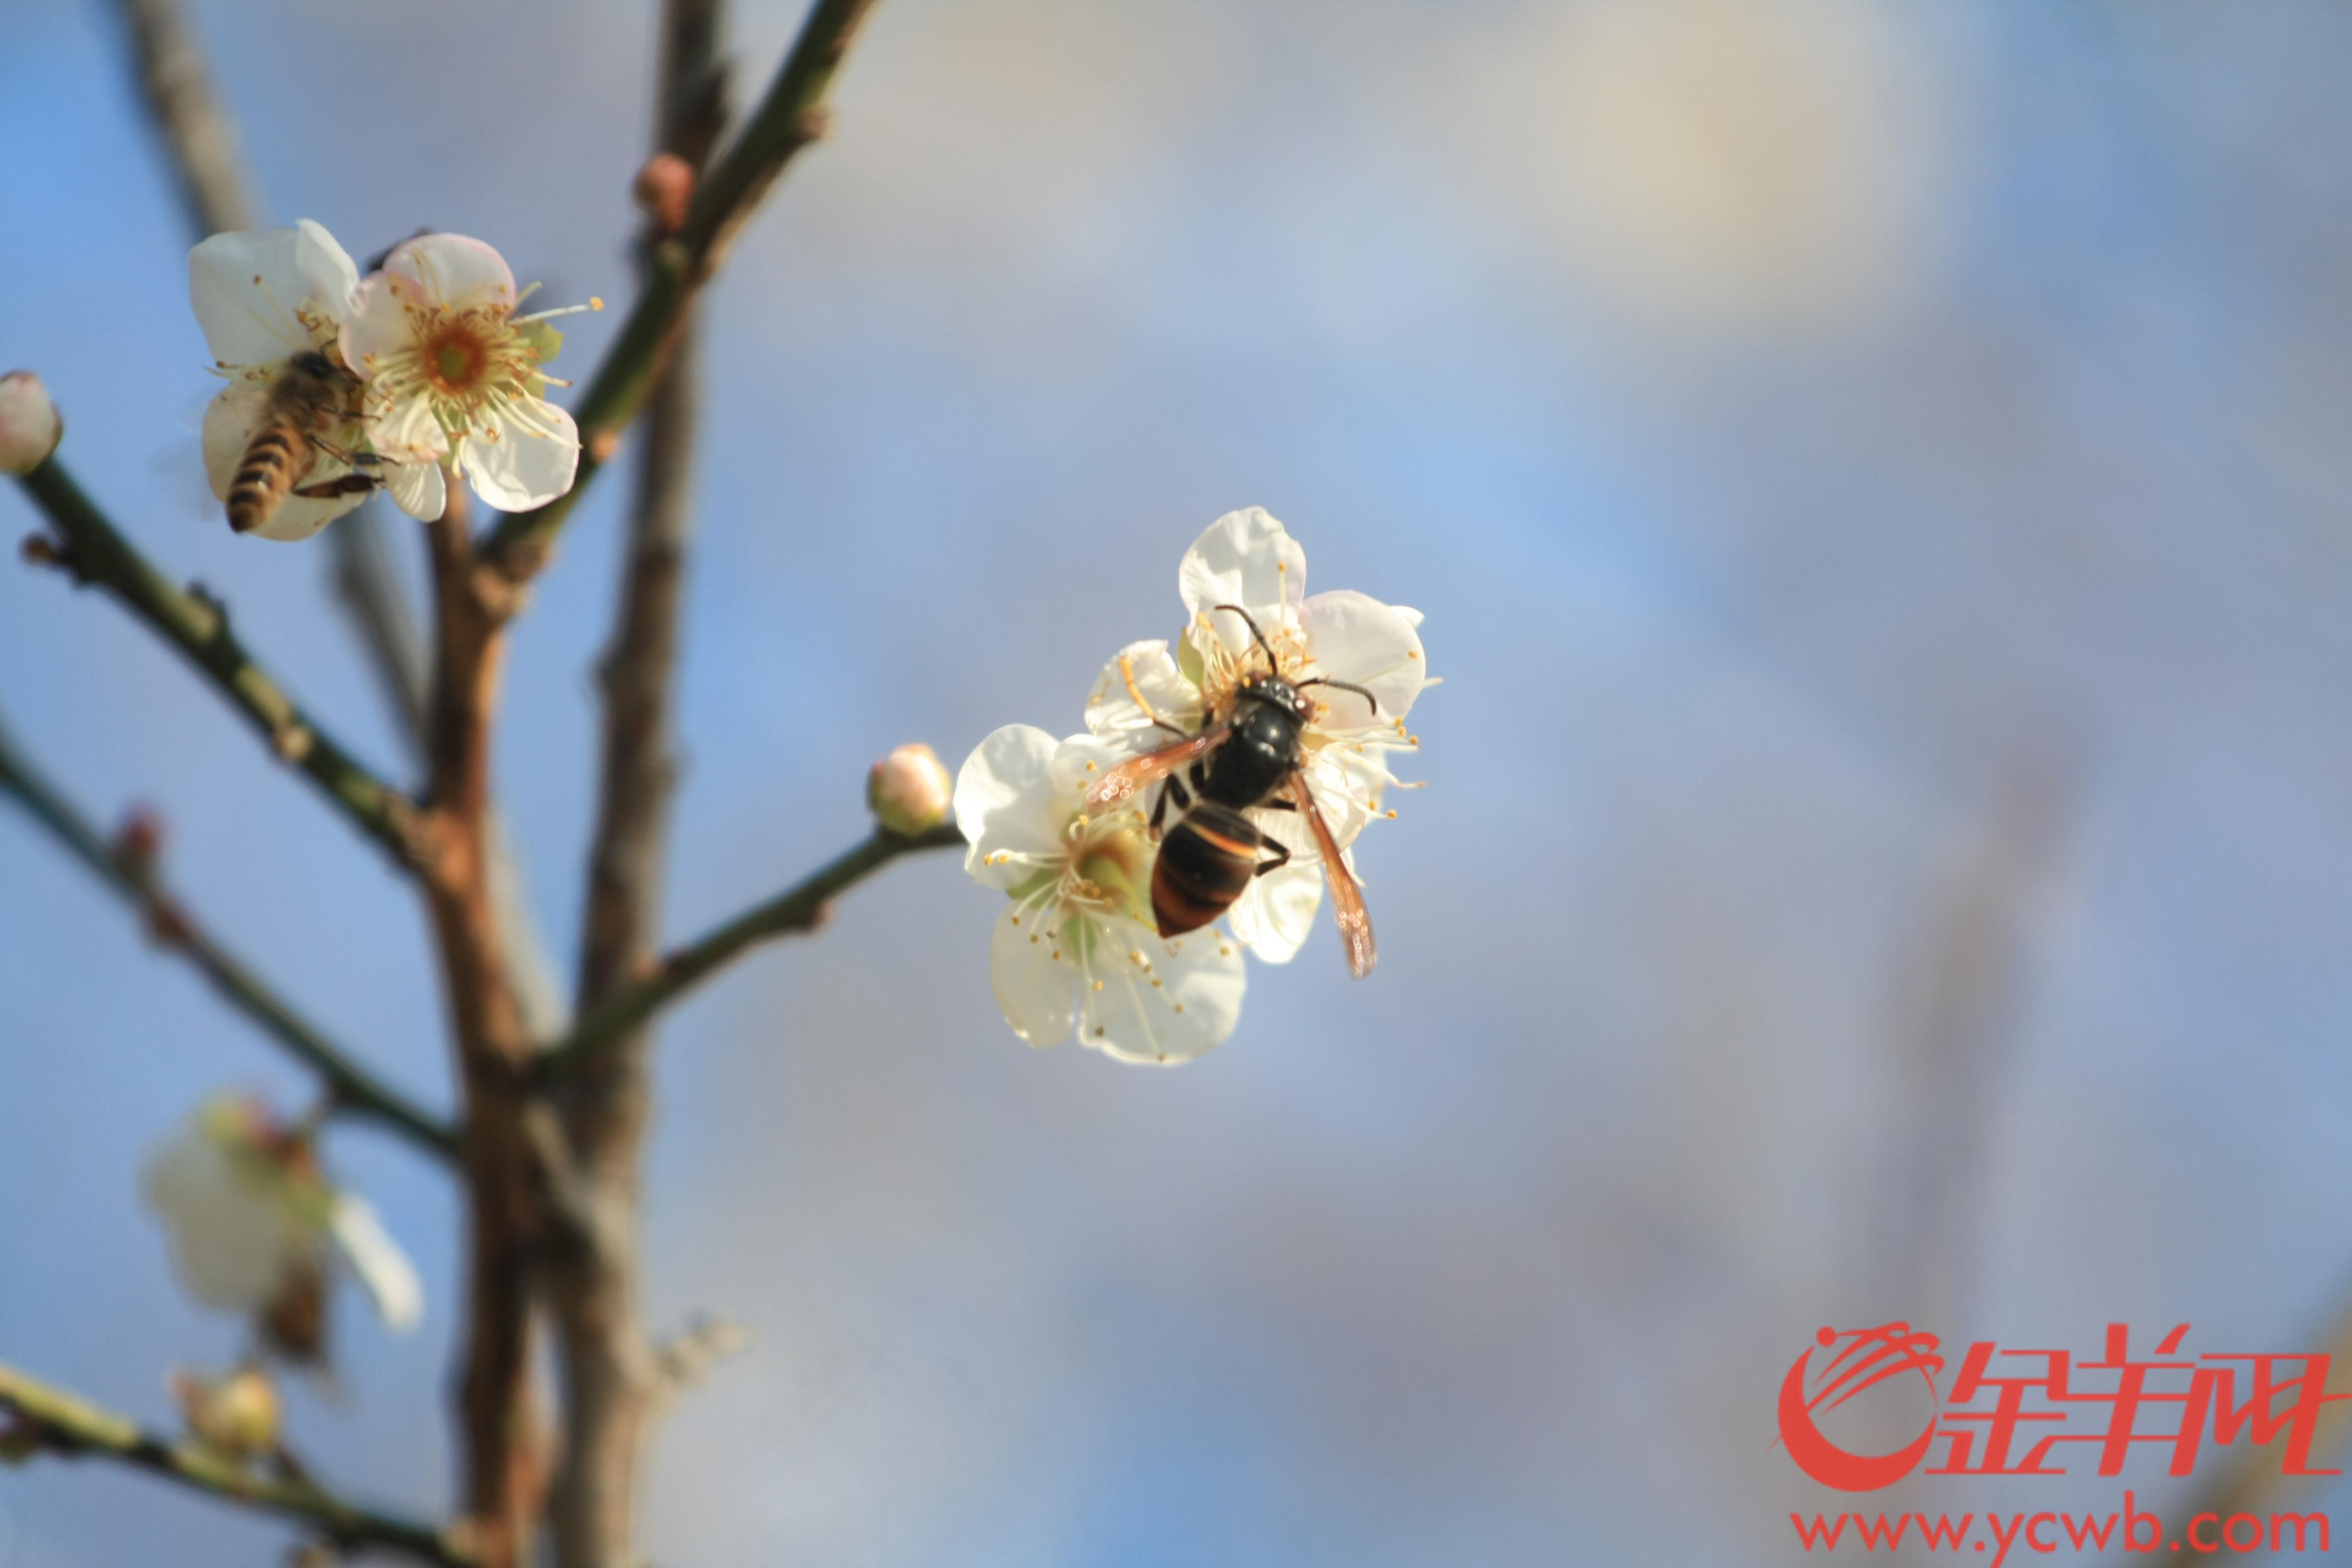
x: 1020, y: 799
x: 251, y: 1216
x: 1076, y: 945
x: 440, y: 371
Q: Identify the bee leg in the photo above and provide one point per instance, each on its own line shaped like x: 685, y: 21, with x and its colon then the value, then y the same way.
x: 1265, y: 866
x: 1279, y: 802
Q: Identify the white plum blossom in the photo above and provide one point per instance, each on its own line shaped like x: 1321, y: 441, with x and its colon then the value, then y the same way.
x: 262, y: 297
x: 452, y: 373
x: 1075, y: 944
x: 29, y: 427
x: 251, y: 1216
x: 1147, y: 692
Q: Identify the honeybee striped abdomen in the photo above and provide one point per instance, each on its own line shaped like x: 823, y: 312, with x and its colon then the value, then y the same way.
x: 278, y: 454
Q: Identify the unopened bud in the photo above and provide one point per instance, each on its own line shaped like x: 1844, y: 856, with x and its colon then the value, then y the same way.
x: 910, y: 791
x: 665, y: 189
x: 139, y: 842
x: 238, y: 1415
x: 29, y: 427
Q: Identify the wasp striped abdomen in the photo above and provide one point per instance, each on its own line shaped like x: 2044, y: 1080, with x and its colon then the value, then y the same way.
x: 1206, y: 860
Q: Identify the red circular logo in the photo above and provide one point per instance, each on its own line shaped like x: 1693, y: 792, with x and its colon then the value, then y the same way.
x: 1870, y: 1357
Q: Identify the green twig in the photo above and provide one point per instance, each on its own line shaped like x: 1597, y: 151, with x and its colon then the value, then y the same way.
x: 799, y: 908
x: 56, y: 1420
x: 789, y: 118
x: 95, y: 552
x: 354, y: 1089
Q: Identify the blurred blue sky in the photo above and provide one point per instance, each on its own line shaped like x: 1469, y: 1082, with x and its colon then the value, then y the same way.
x: 1876, y: 479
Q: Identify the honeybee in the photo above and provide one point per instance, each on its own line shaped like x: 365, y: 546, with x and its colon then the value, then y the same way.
x: 311, y: 397
x: 1252, y: 757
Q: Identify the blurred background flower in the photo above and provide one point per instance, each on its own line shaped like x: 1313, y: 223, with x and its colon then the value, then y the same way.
x: 1882, y: 475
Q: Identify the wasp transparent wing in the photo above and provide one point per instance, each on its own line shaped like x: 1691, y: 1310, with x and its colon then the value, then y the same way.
x: 1347, y: 899
x: 1140, y: 773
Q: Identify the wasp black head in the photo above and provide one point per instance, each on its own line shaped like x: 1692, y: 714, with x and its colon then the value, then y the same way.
x: 1278, y: 693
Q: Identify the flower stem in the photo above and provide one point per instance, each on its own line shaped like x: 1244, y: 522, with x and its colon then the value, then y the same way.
x: 799, y: 908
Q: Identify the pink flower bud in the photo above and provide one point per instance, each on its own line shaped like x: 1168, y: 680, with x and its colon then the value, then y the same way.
x: 29, y: 427
x: 910, y: 791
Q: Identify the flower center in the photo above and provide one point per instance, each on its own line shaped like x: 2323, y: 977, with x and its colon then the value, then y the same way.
x: 456, y: 357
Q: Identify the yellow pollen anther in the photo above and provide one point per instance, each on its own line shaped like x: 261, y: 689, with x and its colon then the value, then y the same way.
x: 1097, y: 985
x: 1224, y: 952
x: 1126, y: 673
x: 1180, y: 1007
x: 1033, y: 935
x: 1098, y: 1031
x: 1392, y: 818
x: 1090, y: 767
x: 1155, y: 982
x: 595, y: 302
x: 1016, y: 920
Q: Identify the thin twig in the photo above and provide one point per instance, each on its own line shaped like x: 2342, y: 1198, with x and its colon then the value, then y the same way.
x: 354, y: 1089
x: 789, y: 118
x: 96, y: 553
x: 800, y: 908
x: 198, y: 133
x: 70, y: 1425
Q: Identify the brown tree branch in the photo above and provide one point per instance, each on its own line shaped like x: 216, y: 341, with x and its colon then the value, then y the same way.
x: 801, y: 906
x: 351, y: 1086
x: 63, y: 1424
x: 789, y: 118
x: 90, y: 548
x: 500, y: 1449
x: 611, y: 1375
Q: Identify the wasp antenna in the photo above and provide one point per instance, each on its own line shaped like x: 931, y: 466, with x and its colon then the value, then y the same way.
x: 1258, y: 636
x: 1347, y: 685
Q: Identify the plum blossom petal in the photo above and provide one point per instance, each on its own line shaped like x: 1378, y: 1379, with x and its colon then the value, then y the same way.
x: 1003, y: 800
x: 384, y: 1269
x: 525, y: 459
x: 265, y: 294
x: 1140, y: 697
x: 1033, y: 988
x: 1077, y: 948
x: 454, y: 268
x: 1275, y: 913
x: 417, y: 489
x: 1355, y: 638
x: 1244, y: 558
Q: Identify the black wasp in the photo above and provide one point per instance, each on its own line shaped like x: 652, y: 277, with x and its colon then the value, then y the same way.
x: 1250, y: 758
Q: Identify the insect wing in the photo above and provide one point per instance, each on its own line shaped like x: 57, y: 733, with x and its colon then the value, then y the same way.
x: 1138, y: 772
x: 1347, y: 899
